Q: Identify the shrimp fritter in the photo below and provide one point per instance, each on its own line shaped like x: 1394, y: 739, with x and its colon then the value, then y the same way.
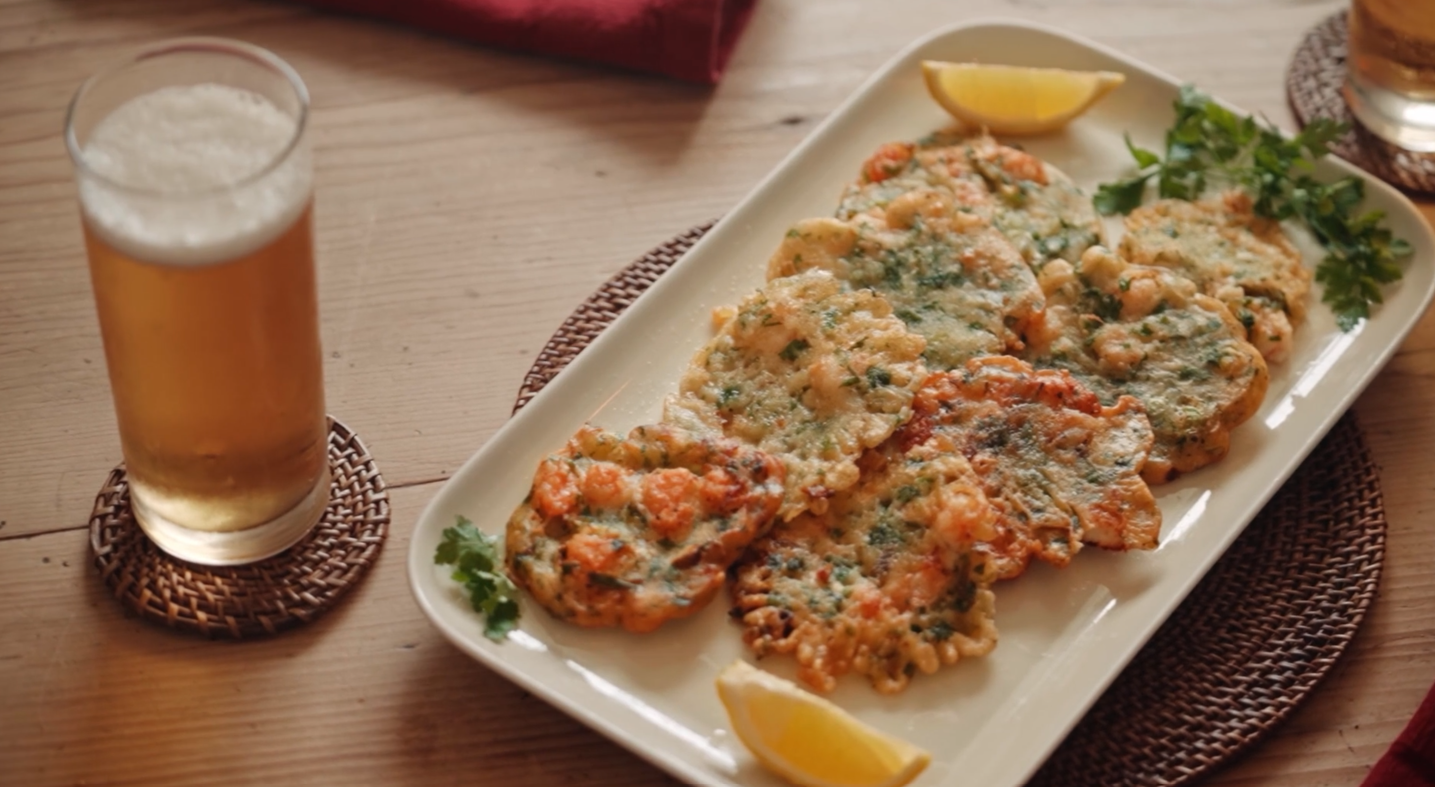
x: 633, y: 532
x: 1040, y: 210
x: 949, y: 276
x: 1059, y: 468
x: 884, y: 583
x: 809, y: 372
x: 1145, y: 331
x: 1241, y: 259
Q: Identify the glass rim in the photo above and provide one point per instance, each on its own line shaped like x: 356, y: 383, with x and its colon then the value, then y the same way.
x: 209, y: 44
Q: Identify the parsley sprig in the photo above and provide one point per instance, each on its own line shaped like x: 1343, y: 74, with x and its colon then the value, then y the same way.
x: 474, y: 555
x: 1209, y: 146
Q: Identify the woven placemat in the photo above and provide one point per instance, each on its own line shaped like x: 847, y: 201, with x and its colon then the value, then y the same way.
x: 1251, y: 641
x: 261, y: 598
x: 1313, y: 84
x: 1243, y: 650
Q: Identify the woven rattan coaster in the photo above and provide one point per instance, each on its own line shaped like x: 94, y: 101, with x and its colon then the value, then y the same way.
x: 260, y: 598
x: 1236, y: 658
x: 1314, y: 86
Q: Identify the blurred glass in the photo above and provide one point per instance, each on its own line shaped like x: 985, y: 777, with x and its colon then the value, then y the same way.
x: 1390, y: 84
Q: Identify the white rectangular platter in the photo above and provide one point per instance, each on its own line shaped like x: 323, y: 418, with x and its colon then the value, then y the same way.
x: 1066, y: 634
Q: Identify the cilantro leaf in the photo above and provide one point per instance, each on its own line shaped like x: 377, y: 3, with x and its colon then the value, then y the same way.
x: 1123, y: 196
x: 793, y: 349
x: 1208, y: 145
x: 1318, y: 134
x: 1144, y: 158
x: 1360, y: 251
x: 474, y: 555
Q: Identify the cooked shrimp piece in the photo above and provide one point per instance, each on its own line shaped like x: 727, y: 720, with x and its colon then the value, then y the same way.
x: 604, y: 486
x: 1118, y: 351
x: 593, y: 551
x: 1016, y: 163
x: 554, y: 490
x: 670, y: 497
x: 917, y: 206
x: 1268, y: 327
x: 889, y: 160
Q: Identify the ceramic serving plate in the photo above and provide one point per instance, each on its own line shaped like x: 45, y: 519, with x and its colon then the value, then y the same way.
x: 1065, y: 634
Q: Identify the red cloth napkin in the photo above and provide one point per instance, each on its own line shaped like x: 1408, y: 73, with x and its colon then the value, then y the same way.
x: 1410, y: 761
x: 687, y: 39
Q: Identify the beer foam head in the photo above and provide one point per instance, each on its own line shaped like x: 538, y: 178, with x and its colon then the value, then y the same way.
x: 188, y: 175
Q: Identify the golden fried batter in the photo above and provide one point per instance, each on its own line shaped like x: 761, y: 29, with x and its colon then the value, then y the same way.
x: 1240, y: 259
x: 1059, y: 468
x: 1040, y: 210
x: 633, y: 532
x: 866, y: 401
x: 809, y: 372
x: 1145, y: 331
x: 884, y: 583
x: 949, y: 275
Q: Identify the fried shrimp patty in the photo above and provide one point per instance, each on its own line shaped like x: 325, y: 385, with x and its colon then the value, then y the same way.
x: 1241, y: 259
x: 635, y: 531
x: 1039, y: 209
x: 809, y: 371
x: 884, y: 583
x: 1144, y: 331
x: 1059, y: 468
x: 949, y: 275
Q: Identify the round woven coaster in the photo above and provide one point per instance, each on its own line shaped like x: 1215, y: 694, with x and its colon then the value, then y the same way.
x: 260, y: 598
x: 1252, y: 640
x: 1313, y: 84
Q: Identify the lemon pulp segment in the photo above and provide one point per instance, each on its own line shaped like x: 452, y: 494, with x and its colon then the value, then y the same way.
x: 1014, y: 99
x: 807, y: 739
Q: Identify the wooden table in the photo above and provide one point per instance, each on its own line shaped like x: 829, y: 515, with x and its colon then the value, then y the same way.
x: 468, y: 200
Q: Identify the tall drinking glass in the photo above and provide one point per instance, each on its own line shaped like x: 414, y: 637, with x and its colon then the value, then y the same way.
x: 1390, y: 82
x: 195, y: 186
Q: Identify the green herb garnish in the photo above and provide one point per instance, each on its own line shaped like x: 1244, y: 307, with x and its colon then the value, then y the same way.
x: 1209, y: 145
x: 474, y: 555
x: 793, y: 349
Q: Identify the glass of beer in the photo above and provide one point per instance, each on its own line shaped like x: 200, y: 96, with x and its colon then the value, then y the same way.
x: 1390, y: 82
x: 195, y: 186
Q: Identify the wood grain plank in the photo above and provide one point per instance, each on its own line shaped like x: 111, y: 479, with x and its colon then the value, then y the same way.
x: 368, y: 694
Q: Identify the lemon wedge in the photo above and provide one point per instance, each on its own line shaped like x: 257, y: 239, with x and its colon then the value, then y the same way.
x: 808, y: 740
x: 1015, y: 100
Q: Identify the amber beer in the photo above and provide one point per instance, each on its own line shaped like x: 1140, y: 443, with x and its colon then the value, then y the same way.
x: 196, y: 205
x: 1391, y: 70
